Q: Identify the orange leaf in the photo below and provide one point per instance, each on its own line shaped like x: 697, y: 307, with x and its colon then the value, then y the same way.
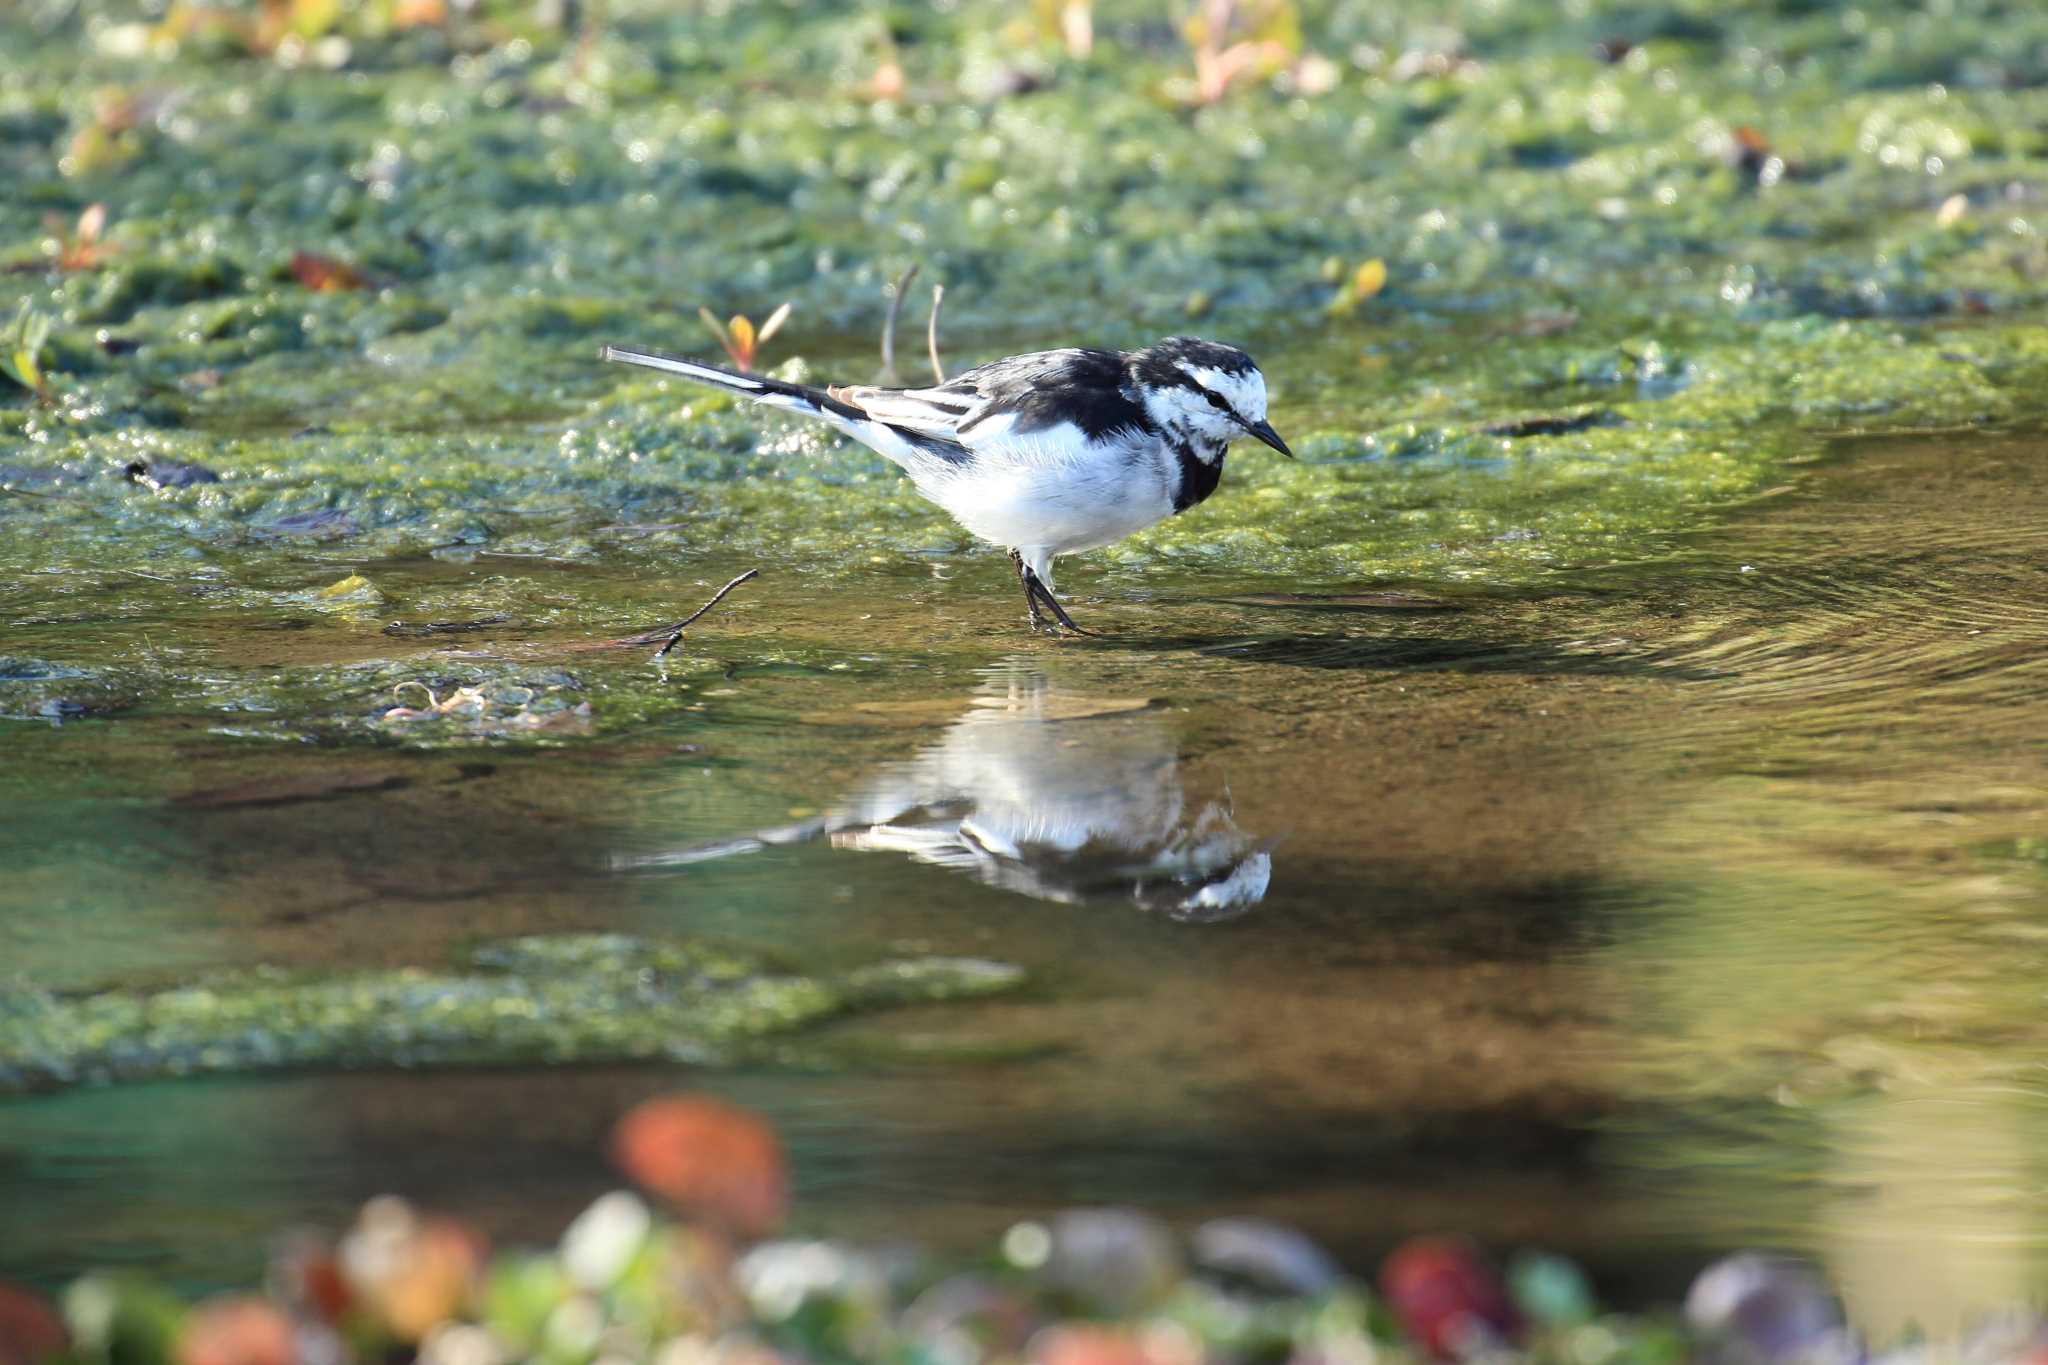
x: 1371, y: 278
x: 420, y: 14
x: 325, y: 274
x: 742, y: 329
x: 237, y: 1331
x: 407, y: 1272
x: 707, y: 1158
x: 446, y: 1260
x: 889, y: 83
x: 30, y: 1330
x: 1086, y: 1344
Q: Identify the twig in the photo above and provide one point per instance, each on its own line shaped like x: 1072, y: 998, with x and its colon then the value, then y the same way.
x: 896, y: 292
x: 671, y: 636
x: 931, y: 334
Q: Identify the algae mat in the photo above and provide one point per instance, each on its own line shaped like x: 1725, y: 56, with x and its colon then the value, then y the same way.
x: 536, y: 1000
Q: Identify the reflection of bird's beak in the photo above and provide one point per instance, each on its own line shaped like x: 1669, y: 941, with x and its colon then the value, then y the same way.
x: 1264, y: 431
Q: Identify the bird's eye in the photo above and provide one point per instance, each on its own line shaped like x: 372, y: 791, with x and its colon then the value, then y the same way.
x: 1216, y: 401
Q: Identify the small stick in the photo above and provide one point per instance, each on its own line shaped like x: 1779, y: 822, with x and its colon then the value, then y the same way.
x: 931, y: 333
x: 896, y: 292
x: 671, y: 636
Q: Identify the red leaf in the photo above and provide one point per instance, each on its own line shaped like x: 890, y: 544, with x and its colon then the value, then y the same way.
x: 30, y: 1329
x: 325, y: 274
x: 707, y: 1158
x: 1446, y: 1297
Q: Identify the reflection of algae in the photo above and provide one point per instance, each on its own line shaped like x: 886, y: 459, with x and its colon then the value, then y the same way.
x: 572, y: 998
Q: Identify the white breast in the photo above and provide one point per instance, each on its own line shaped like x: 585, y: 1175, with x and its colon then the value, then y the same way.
x: 1055, y: 490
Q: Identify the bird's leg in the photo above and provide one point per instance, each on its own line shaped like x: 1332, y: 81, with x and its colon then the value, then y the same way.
x: 1058, y: 611
x: 1029, y: 582
x: 1035, y: 592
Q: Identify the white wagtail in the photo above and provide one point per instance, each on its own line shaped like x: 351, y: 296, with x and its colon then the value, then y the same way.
x: 1044, y: 454
x: 1040, y: 791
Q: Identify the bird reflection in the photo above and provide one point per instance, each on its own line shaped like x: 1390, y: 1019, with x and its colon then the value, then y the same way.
x: 1049, y: 793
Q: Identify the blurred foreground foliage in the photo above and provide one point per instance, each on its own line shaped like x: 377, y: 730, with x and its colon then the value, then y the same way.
x: 709, y: 1283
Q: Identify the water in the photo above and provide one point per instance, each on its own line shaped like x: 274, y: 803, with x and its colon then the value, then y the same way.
x: 1594, y: 798
x: 1670, y: 907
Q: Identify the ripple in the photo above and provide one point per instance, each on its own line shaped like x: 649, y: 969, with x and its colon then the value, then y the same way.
x: 1916, y: 594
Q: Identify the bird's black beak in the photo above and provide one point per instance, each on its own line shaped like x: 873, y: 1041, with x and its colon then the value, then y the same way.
x: 1264, y: 431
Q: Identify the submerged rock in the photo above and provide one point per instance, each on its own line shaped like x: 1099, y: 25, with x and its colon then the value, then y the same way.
x: 544, y: 999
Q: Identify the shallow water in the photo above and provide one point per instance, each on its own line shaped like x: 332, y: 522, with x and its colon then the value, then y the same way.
x: 1594, y: 798
x: 1677, y: 907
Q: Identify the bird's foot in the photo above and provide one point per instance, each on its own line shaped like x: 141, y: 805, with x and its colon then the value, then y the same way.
x: 1035, y: 593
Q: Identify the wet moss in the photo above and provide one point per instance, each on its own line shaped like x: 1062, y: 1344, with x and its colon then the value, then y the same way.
x: 574, y: 998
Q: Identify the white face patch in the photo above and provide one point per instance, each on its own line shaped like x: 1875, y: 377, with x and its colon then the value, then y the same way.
x: 1245, y: 391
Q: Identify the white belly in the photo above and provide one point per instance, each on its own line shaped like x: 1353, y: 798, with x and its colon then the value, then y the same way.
x: 1059, y: 509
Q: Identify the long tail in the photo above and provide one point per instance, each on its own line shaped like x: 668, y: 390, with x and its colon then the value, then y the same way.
x: 920, y: 454
x: 774, y: 392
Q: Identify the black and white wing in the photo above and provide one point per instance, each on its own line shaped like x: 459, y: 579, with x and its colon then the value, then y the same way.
x: 1017, y: 396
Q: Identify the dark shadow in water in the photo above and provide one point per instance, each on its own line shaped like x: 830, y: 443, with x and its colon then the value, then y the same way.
x: 1045, y: 792
x: 1405, y: 653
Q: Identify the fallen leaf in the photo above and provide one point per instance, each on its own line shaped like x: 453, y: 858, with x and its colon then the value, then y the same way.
x: 420, y: 14
x: 307, y: 1277
x: 81, y: 248
x: 446, y: 1260
x: 1446, y: 1297
x: 325, y: 274
x: 707, y: 1158
x: 889, y: 83
x: 30, y: 1330
x: 1086, y: 1344
x: 410, y: 1273
x: 741, y: 329
x: 237, y: 1331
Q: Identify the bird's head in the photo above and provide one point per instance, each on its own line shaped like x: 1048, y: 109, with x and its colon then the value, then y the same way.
x: 1206, y: 391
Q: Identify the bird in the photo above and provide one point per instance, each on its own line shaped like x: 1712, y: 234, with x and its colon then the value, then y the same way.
x: 1044, y: 791
x: 1043, y: 454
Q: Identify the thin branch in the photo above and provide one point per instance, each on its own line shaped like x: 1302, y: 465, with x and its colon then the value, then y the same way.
x: 671, y: 636
x: 931, y: 334
x: 896, y: 292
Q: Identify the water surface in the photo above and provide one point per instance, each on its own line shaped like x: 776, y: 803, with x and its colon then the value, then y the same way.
x: 1593, y: 798
x: 1677, y: 907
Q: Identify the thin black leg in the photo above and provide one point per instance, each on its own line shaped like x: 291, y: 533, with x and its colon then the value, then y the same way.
x: 1035, y: 593
x: 1028, y: 581
x: 1053, y: 603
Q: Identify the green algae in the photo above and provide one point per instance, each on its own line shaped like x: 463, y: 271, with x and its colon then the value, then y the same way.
x: 555, y: 1000
x: 512, y: 207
